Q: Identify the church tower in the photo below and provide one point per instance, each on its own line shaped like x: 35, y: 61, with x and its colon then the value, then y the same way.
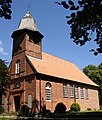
x: 27, y: 41
x: 27, y: 38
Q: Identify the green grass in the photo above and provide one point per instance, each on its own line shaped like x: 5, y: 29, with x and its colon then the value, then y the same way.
x: 71, y: 115
x: 86, y: 114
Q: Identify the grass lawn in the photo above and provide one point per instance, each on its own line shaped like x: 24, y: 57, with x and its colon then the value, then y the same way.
x: 88, y: 115
x: 94, y: 115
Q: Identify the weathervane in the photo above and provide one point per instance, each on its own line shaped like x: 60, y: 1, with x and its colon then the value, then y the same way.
x: 28, y: 7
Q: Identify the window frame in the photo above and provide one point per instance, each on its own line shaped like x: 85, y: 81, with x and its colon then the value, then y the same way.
x: 71, y: 91
x: 76, y: 92
x: 65, y: 90
x: 17, y: 67
x: 86, y: 94
x: 48, y: 92
x: 82, y: 96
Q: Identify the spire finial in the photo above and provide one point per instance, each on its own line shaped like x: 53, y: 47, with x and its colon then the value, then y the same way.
x: 28, y: 7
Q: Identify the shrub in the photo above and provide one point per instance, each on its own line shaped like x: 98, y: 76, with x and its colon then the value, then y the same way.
x: 24, y: 111
x: 1, y: 109
x: 88, y: 109
x: 45, y: 112
x: 60, y: 108
x: 44, y: 109
x: 75, y: 107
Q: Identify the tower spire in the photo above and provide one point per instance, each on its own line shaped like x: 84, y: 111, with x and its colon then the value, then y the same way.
x: 28, y: 22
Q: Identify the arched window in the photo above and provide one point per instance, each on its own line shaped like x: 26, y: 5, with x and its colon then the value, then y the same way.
x: 30, y: 100
x: 17, y: 66
x: 48, y: 91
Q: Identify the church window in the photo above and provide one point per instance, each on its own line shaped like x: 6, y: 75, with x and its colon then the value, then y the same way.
x: 86, y: 94
x: 71, y: 91
x: 76, y: 92
x: 48, y: 91
x: 82, y: 93
x: 18, y: 67
x: 30, y: 100
x: 65, y: 91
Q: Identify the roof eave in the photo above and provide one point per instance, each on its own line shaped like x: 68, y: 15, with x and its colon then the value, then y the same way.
x: 36, y: 34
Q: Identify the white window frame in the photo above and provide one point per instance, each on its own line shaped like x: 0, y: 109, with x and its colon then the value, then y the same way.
x: 86, y: 93
x: 81, y: 92
x: 65, y: 90
x: 76, y: 92
x: 71, y: 91
x: 17, y: 66
x: 48, y: 91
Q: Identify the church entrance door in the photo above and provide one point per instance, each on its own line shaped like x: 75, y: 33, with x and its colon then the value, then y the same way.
x: 17, y: 102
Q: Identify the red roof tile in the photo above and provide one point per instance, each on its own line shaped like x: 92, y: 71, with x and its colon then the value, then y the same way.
x: 54, y: 66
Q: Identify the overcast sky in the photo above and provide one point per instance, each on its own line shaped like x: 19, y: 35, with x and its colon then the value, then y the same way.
x: 52, y: 23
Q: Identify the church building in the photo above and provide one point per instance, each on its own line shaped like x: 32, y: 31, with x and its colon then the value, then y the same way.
x: 38, y: 79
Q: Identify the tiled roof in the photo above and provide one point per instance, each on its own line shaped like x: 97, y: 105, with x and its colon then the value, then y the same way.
x: 54, y: 66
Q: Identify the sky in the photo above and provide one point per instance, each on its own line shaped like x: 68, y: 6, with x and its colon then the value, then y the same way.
x: 52, y: 23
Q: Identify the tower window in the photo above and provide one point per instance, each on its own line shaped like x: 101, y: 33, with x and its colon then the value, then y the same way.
x: 18, y: 67
x: 65, y: 91
x: 48, y: 91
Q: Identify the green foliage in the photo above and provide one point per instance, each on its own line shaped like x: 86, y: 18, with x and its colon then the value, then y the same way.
x: 60, y: 108
x: 45, y: 112
x: 44, y: 109
x: 88, y: 109
x: 1, y: 109
x: 5, y: 9
x: 89, y: 69
x: 4, y: 79
x: 75, y: 107
x: 85, y: 18
x: 95, y: 74
x: 24, y: 111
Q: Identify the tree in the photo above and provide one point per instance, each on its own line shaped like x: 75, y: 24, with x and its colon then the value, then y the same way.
x: 85, y: 18
x: 95, y: 74
x: 5, y: 9
x: 4, y: 79
x: 89, y: 69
